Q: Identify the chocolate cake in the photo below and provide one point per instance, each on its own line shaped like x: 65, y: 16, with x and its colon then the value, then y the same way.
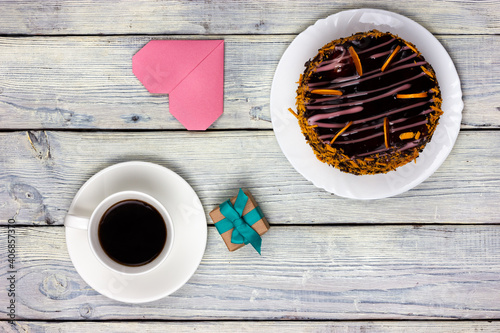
x: 368, y: 103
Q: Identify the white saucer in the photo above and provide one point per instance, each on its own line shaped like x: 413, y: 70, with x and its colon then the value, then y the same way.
x: 287, y: 130
x: 190, y: 227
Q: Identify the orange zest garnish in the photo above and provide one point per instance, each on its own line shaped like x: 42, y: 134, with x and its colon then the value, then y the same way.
x: 396, y: 50
x: 386, y: 132
x: 418, y: 95
x: 293, y: 112
x: 426, y: 71
x: 326, y: 92
x: 434, y: 108
x: 341, y: 131
x: 355, y: 59
x: 406, y: 135
x: 417, y: 136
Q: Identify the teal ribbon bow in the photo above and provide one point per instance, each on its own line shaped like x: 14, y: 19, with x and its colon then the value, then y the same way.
x: 233, y: 218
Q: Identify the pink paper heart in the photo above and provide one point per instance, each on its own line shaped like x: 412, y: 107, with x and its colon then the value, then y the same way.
x: 191, y: 72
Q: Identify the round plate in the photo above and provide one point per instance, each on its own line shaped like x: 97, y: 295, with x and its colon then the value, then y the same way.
x: 283, y: 92
x: 187, y: 215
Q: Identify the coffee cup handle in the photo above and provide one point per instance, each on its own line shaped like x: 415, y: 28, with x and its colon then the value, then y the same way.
x: 76, y: 222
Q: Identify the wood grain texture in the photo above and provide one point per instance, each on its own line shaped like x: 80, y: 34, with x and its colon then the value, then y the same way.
x: 304, y: 273
x: 40, y: 172
x: 87, y: 82
x: 222, y: 16
x: 258, y: 326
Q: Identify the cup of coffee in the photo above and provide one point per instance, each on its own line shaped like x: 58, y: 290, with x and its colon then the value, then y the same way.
x: 129, y: 232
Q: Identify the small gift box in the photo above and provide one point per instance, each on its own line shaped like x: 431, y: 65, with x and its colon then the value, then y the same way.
x: 240, y: 221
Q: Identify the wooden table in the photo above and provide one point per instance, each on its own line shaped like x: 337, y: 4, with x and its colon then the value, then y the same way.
x: 428, y: 259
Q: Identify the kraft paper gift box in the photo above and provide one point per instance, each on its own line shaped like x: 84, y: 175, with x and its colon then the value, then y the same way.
x: 251, y: 215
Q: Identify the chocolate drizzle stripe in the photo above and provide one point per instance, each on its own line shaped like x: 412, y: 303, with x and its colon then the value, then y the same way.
x: 355, y: 79
x: 389, y: 113
x: 363, y: 93
x: 356, y: 131
x: 336, y: 106
x: 371, y: 152
x: 398, y: 129
x: 326, y: 66
x: 378, y: 55
x: 377, y: 134
x: 403, y: 60
x: 410, y: 145
x: 360, y: 139
x: 312, y: 120
x: 407, y: 146
x: 376, y: 46
x: 377, y: 70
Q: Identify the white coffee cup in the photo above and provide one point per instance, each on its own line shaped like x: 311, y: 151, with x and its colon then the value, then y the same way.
x: 92, y: 226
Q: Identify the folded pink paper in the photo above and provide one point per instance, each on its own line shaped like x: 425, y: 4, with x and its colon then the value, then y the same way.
x: 191, y: 72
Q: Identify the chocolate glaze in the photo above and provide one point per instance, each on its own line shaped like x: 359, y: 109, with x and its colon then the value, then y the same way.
x: 366, y: 100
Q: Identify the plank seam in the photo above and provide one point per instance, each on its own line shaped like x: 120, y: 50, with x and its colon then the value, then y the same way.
x: 14, y: 35
x: 443, y: 320
x: 147, y: 130
x: 281, y: 225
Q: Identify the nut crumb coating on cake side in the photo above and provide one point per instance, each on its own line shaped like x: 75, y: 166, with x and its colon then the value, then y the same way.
x: 368, y: 103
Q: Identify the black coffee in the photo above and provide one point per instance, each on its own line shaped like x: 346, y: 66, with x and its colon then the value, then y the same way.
x: 132, y: 233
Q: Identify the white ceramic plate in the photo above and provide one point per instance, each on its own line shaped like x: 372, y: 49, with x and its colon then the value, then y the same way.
x: 187, y: 215
x: 283, y: 91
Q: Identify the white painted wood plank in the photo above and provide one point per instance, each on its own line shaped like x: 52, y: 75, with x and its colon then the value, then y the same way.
x: 222, y: 16
x: 40, y: 172
x: 256, y: 326
x: 87, y: 82
x: 304, y: 273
